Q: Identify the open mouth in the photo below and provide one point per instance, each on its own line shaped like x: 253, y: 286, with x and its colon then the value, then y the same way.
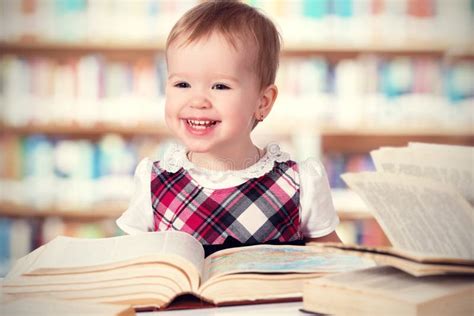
x: 200, y: 127
x: 201, y: 124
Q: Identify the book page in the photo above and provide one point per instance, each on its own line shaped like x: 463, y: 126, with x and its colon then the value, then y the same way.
x: 418, y: 215
x: 391, y: 257
x: 24, y: 263
x: 69, y: 253
x: 453, y: 165
x: 280, y: 259
x: 47, y: 307
x: 391, y: 282
x: 160, y: 274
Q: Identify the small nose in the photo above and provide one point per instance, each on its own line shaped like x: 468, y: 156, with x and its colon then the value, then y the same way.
x: 200, y: 103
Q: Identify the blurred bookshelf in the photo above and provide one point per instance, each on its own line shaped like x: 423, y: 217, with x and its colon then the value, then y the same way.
x: 82, y: 99
x: 32, y: 46
x: 160, y: 130
x: 95, y: 213
x: 75, y: 130
x: 345, y: 198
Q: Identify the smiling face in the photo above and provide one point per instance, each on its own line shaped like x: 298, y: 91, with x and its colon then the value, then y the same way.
x: 212, y: 95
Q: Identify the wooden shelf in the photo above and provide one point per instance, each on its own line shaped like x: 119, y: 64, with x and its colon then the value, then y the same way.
x: 97, y: 130
x: 160, y: 130
x: 364, y: 143
x: 331, y: 50
x: 99, y: 212
x: 92, y: 46
x: 61, y: 49
x: 104, y: 212
x: 280, y: 126
x: 401, y: 131
x: 353, y: 215
x: 338, y: 51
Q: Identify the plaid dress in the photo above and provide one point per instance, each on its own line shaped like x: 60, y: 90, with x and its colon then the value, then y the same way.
x: 260, y: 210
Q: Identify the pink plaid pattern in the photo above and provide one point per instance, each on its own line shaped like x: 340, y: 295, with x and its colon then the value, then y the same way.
x: 259, y: 210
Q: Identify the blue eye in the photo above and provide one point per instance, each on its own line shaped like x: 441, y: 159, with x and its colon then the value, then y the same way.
x: 220, y: 86
x: 182, y: 85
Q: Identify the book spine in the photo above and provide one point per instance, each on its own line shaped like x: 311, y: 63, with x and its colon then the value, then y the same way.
x: 5, y: 244
x: 339, y: 163
x: 89, y: 171
x: 84, y: 90
x: 371, y: 21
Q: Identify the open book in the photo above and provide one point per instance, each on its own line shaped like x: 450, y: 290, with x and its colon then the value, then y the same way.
x: 48, y: 307
x: 421, y: 196
x: 388, y: 291
x: 150, y: 270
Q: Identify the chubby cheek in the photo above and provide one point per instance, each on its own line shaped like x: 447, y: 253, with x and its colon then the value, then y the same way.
x: 242, y: 120
x: 171, y: 115
x: 245, y: 113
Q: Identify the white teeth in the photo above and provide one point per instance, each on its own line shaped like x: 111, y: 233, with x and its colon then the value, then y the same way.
x: 200, y: 124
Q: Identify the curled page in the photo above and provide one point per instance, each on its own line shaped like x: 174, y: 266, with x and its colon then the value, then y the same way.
x: 419, y: 216
x: 449, y: 164
x: 65, y: 254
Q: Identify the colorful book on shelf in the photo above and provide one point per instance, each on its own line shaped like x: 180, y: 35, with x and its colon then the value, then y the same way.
x: 153, y: 270
x: 389, y: 291
x: 371, y: 234
x: 421, y: 196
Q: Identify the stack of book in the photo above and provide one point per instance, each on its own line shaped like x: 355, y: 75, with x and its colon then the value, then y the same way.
x: 422, y: 197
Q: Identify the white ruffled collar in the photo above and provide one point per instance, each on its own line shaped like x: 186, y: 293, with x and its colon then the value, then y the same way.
x: 175, y: 158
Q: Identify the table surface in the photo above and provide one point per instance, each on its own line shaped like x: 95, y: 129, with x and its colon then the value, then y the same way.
x: 275, y: 309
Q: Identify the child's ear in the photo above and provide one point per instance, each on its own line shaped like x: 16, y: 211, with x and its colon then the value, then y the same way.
x: 267, y: 99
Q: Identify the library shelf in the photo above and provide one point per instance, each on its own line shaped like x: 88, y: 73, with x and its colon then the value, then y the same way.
x: 35, y: 48
x: 364, y: 143
x: 332, y: 139
x: 89, y: 131
x: 111, y: 211
x: 101, y: 211
x: 461, y: 136
x: 342, y: 50
x: 347, y: 50
x: 278, y: 126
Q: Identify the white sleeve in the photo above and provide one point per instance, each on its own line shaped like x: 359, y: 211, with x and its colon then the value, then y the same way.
x: 138, y: 217
x: 318, y: 216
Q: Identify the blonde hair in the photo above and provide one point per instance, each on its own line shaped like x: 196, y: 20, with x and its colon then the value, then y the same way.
x: 237, y: 22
